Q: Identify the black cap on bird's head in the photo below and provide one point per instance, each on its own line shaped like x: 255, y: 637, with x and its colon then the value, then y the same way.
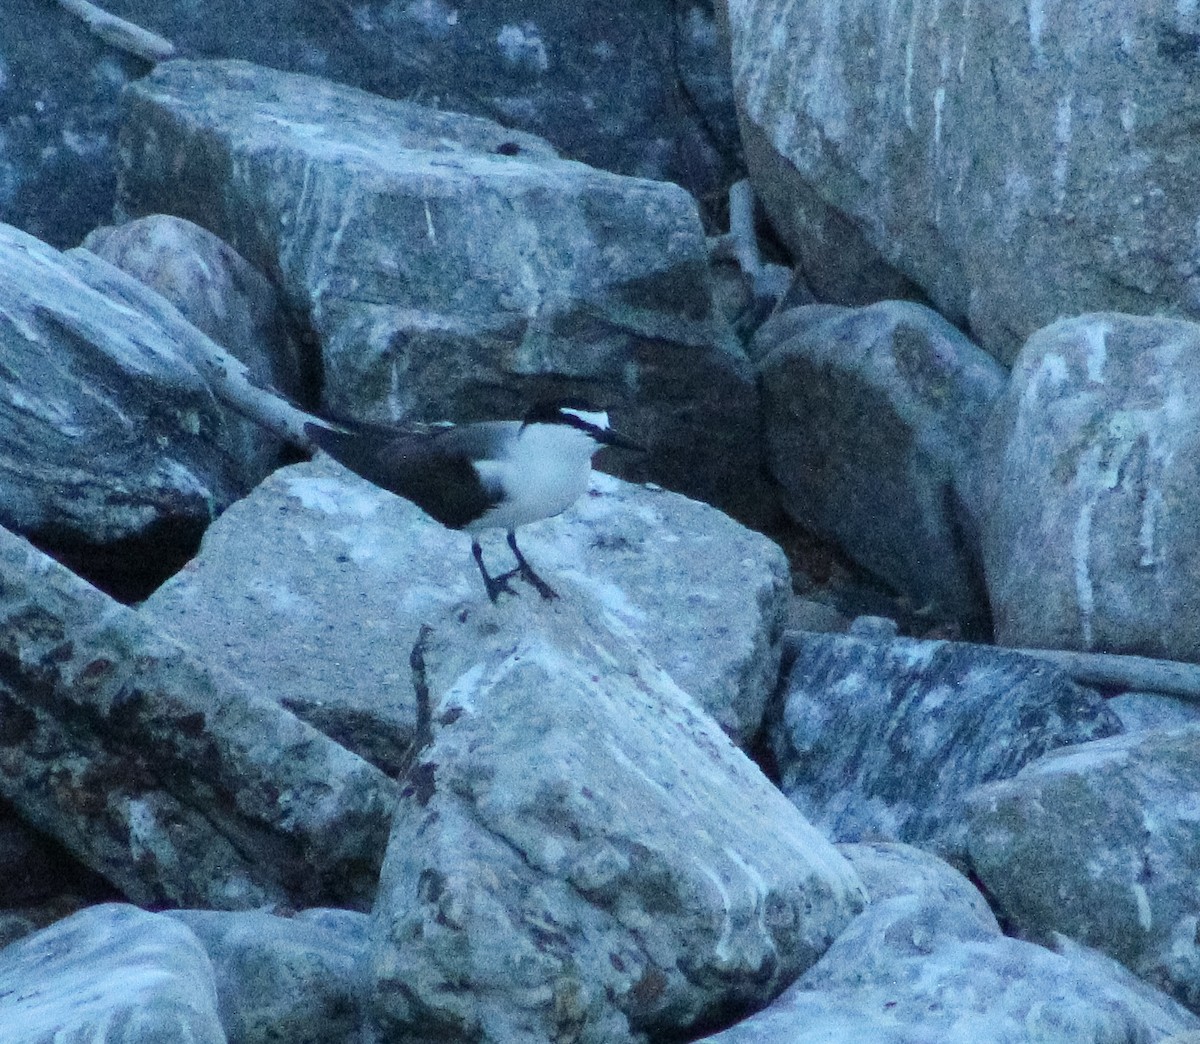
x: 581, y: 414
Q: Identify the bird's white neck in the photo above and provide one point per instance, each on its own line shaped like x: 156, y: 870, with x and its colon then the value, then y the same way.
x: 543, y: 471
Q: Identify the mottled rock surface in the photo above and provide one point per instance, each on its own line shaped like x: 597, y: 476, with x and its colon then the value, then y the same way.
x: 463, y: 271
x: 170, y: 778
x: 216, y: 289
x: 276, y: 572
x: 886, y: 740
x: 111, y: 974
x: 1091, y: 536
x: 873, y: 418
x: 1101, y: 842
x: 580, y: 852
x: 914, y: 970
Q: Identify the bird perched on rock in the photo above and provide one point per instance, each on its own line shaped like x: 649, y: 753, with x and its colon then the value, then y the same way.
x: 489, y: 475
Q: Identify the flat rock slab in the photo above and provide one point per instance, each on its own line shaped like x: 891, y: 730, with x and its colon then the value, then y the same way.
x: 295, y: 979
x: 1101, y: 843
x: 312, y: 589
x: 170, y: 778
x: 580, y: 853
x: 885, y: 740
x: 462, y: 271
x: 109, y: 974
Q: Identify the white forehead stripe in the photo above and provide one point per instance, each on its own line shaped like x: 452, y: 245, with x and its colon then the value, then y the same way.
x: 597, y: 419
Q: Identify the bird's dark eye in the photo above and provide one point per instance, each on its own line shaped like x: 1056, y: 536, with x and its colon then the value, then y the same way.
x: 508, y: 148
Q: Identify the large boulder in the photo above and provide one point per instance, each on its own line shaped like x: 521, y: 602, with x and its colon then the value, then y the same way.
x: 218, y: 291
x: 1091, y: 532
x: 580, y: 853
x: 886, y: 740
x: 873, y: 419
x: 922, y: 965
x: 704, y: 595
x: 1101, y: 843
x: 1015, y: 161
x: 113, y: 974
x: 462, y: 271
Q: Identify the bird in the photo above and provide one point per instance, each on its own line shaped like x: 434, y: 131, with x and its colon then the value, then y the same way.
x: 485, y: 475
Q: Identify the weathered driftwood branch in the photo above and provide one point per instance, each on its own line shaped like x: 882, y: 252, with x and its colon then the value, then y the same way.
x: 230, y: 382
x: 1112, y: 671
x: 119, y: 33
x: 1103, y: 670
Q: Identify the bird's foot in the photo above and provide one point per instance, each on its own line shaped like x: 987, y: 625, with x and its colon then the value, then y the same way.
x: 535, y: 581
x: 497, y: 585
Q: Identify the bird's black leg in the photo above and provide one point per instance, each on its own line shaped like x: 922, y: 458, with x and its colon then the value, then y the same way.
x: 494, y: 584
x: 525, y: 570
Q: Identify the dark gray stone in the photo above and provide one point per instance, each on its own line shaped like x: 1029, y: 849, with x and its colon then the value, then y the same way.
x: 1101, y: 842
x: 639, y: 88
x: 873, y: 419
x: 110, y: 975
x: 580, y: 853
x: 447, y: 279
x: 1091, y: 533
x: 285, y: 979
x: 171, y: 779
x: 886, y: 740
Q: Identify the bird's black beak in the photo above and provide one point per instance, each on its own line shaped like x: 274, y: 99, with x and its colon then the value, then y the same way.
x: 608, y: 437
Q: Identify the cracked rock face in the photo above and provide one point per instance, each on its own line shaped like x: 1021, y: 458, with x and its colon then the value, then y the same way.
x: 580, y: 853
x: 1092, y: 535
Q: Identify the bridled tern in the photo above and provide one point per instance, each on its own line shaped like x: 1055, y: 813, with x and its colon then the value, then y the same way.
x: 489, y: 475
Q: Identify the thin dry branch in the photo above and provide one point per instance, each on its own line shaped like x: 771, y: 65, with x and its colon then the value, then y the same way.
x: 119, y: 33
x: 1112, y: 671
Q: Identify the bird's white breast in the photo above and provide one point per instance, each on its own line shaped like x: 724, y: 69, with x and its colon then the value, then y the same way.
x: 541, y: 473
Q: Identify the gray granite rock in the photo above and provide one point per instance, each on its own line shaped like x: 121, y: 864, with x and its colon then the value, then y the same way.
x: 217, y: 290
x: 1091, y: 536
x: 889, y: 869
x: 1016, y: 162
x: 285, y: 979
x: 170, y: 778
x: 913, y: 969
x: 108, y: 433
x: 268, y: 596
x: 873, y: 418
x: 461, y: 272
x: 886, y: 740
x: 111, y: 975
x: 580, y: 853
x: 1101, y: 843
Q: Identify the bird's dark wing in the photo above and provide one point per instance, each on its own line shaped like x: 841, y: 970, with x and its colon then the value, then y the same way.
x: 433, y: 470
